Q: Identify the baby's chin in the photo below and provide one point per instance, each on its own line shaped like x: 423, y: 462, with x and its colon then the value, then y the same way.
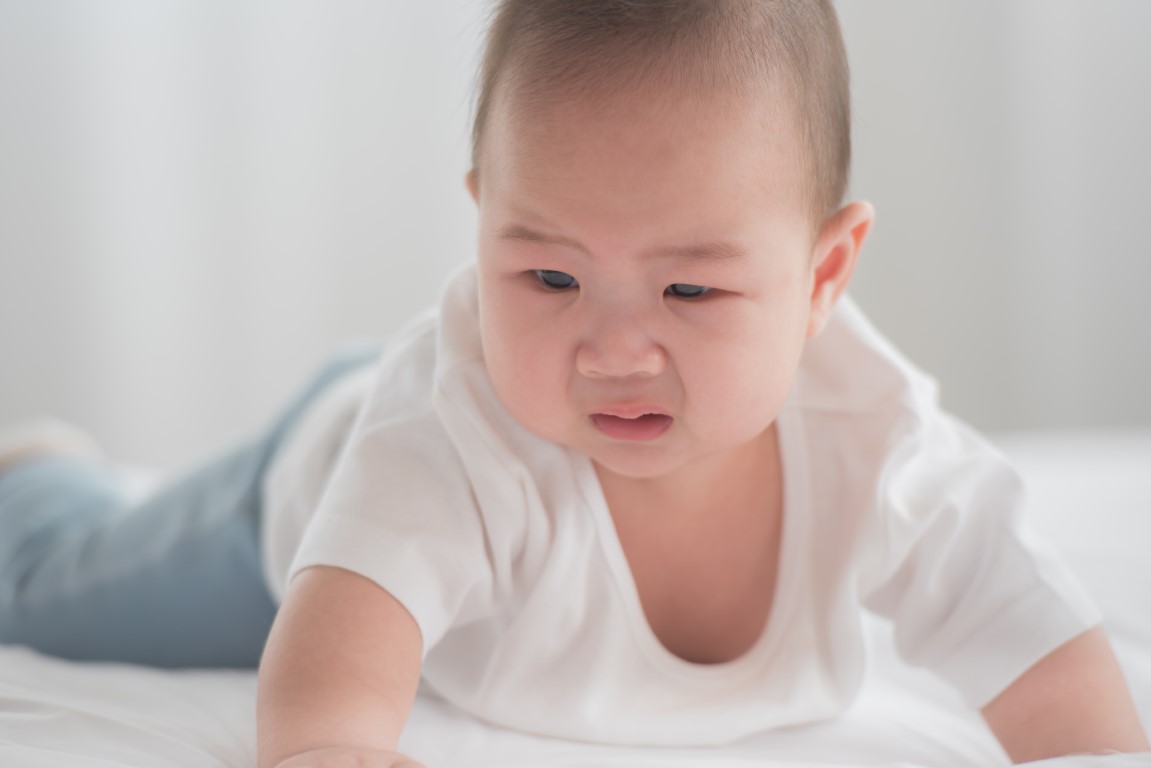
x: 635, y: 462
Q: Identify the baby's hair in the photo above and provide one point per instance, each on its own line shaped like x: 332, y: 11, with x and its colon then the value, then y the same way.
x: 787, y: 51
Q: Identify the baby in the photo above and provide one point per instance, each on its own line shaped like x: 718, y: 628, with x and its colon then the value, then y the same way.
x: 638, y: 475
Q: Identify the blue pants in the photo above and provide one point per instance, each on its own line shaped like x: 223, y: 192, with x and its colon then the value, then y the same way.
x: 172, y: 580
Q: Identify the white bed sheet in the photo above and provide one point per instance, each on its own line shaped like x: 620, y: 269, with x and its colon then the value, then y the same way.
x: 1091, y: 497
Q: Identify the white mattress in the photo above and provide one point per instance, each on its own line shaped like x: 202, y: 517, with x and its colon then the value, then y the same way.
x: 1091, y: 497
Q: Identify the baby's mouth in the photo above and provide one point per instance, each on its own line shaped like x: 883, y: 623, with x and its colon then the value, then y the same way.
x: 646, y: 427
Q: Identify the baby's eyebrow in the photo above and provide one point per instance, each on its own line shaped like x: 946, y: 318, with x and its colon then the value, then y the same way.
x: 712, y: 250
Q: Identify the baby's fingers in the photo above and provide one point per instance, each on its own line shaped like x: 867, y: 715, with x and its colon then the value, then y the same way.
x: 349, y: 757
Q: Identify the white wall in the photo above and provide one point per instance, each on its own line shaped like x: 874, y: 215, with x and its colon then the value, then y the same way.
x: 1006, y: 147
x: 199, y: 200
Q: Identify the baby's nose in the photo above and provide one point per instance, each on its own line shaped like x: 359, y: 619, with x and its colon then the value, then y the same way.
x: 618, y: 347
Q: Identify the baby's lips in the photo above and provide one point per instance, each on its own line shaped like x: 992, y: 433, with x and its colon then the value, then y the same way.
x: 632, y: 411
x: 644, y: 427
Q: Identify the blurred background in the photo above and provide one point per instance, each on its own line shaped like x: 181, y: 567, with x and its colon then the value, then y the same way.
x: 200, y: 201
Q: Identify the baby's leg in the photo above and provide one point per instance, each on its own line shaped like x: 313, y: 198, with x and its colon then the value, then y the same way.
x: 172, y: 580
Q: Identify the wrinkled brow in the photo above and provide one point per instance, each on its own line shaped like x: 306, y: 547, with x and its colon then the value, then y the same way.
x: 712, y: 250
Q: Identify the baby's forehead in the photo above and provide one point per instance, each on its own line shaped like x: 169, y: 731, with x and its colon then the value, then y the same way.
x: 645, y: 133
x: 641, y: 114
x: 580, y: 188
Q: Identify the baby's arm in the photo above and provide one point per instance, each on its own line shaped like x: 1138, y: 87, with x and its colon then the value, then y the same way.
x: 338, y: 675
x: 1074, y: 700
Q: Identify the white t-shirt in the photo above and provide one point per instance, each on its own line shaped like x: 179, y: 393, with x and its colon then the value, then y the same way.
x: 502, y: 547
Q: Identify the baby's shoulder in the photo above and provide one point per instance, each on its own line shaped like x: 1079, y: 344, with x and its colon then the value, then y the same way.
x: 870, y: 414
x: 852, y: 375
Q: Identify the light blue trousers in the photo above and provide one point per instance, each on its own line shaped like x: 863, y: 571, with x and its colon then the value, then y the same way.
x: 172, y: 580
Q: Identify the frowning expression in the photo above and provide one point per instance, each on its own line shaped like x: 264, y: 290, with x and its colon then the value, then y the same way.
x: 642, y: 256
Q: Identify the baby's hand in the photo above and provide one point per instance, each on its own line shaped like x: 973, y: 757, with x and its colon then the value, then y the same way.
x: 349, y: 757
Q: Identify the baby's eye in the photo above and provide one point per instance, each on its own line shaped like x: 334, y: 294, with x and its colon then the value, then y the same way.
x: 556, y: 281
x: 687, y: 291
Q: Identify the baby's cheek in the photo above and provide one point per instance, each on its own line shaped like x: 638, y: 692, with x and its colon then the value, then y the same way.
x: 744, y: 391
x: 524, y: 381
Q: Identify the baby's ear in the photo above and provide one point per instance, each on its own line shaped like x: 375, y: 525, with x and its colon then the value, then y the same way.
x: 471, y: 181
x: 836, y: 251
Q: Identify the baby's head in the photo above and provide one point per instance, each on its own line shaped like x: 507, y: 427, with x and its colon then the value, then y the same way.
x: 660, y: 186
x: 779, y: 60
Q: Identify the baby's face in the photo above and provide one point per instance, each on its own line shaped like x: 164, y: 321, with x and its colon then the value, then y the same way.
x: 650, y: 259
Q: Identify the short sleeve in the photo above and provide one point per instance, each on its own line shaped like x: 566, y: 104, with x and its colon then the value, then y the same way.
x: 399, y: 511
x: 973, y: 595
